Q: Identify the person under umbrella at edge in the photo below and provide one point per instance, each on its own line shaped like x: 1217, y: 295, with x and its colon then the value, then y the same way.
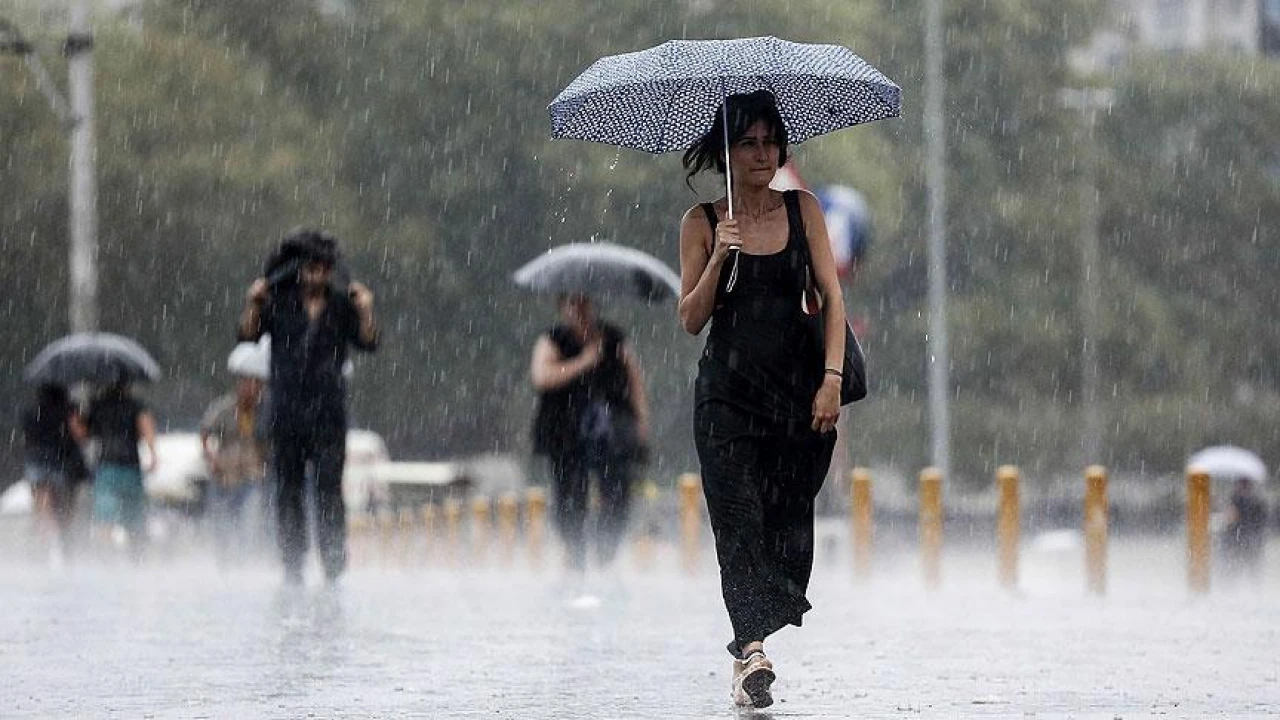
x: 767, y: 395
x: 592, y: 416
x: 119, y: 421
x: 312, y: 323
x: 52, y: 431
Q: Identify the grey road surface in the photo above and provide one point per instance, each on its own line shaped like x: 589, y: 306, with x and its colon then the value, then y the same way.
x: 177, y: 639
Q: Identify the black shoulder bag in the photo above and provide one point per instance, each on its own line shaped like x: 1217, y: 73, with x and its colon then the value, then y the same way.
x: 853, y: 381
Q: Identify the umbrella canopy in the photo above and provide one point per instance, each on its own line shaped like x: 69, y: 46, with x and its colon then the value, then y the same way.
x: 92, y: 357
x: 1230, y: 462
x: 601, y: 270
x: 665, y: 98
x: 251, y: 360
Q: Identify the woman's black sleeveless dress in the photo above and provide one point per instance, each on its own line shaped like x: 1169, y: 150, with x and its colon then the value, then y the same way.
x: 762, y: 464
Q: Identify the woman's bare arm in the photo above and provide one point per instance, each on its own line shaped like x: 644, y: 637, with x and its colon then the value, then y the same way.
x: 700, y: 267
x: 147, y: 432
x: 549, y: 371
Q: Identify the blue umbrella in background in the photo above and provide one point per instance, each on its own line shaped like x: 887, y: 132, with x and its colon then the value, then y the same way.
x: 665, y: 98
x: 848, y: 223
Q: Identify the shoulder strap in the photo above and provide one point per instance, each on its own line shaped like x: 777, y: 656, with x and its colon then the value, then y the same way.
x: 795, y: 223
x: 710, y: 210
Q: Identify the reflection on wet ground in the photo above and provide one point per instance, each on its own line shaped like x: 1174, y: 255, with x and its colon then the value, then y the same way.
x: 176, y: 639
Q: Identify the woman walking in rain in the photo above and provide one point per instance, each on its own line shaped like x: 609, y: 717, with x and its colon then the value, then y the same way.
x: 593, y: 416
x: 768, y: 389
x: 119, y: 421
x: 51, y: 434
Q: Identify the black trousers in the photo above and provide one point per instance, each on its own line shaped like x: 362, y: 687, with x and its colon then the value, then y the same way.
x: 760, y: 479
x: 571, y: 476
x: 325, y: 451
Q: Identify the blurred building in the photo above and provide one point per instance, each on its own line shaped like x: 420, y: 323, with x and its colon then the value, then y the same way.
x: 1194, y: 24
x: 1245, y: 26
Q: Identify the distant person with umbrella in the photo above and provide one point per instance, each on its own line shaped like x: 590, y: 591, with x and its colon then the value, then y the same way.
x: 236, y: 454
x: 1245, y: 535
x: 592, y: 417
x: 313, y: 318
x: 119, y: 421
x: 52, y: 430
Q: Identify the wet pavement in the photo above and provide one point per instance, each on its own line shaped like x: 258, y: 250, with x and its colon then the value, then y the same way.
x: 177, y: 639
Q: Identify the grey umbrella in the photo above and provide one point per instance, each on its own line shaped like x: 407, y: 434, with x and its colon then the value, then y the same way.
x: 92, y: 357
x: 600, y: 270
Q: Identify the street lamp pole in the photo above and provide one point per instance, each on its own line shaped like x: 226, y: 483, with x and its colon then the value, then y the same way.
x: 1088, y: 102
x: 76, y: 116
x: 935, y: 142
x: 83, y: 191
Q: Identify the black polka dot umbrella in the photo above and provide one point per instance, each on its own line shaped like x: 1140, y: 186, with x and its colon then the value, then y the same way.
x: 666, y: 98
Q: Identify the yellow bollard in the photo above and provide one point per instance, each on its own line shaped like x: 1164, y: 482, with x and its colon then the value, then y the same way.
x: 690, y: 521
x: 931, y: 526
x: 1198, y: 531
x: 404, y: 540
x: 428, y: 513
x: 452, y: 521
x: 1096, y: 511
x: 386, y: 536
x: 508, y: 522
x: 481, y: 512
x: 644, y: 545
x: 535, y: 524
x: 1008, y: 525
x: 358, y: 530
x: 860, y: 484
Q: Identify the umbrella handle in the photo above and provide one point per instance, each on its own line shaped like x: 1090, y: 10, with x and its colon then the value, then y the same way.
x: 728, y: 170
x: 728, y: 191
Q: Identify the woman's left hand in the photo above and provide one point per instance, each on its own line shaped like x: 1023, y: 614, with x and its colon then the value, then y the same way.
x: 826, y: 405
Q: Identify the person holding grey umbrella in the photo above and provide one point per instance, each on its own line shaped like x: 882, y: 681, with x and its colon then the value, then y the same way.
x: 767, y: 396
x: 313, y: 319
x: 592, y: 417
x: 52, y: 430
x: 770, y: 383
x: 118, y: 421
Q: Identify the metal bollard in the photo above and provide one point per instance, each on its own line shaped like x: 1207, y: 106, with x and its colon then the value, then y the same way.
x: 535, y: 524
x: 690, y: 521
x: 386, y: 537
x: 508, y: 522
x: 404, y: 539
x: 358, y: 529
x: 860, y: 485
x: 452, y: 520
x: 1198, y: 542
x: 481, y: 512
x: 1008, y: 525
x: 1095, y: 528
x: 428, y: 513
x: 931, y: 526
x: 644, y: 544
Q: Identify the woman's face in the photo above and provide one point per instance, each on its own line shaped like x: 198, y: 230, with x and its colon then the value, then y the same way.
x: 576, y: 311
x: 754, y: 156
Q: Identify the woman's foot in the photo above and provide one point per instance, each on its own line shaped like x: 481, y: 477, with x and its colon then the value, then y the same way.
x: 752, y: 678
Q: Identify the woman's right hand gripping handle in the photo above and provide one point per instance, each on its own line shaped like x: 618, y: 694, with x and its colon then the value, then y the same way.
x: 700, y: 269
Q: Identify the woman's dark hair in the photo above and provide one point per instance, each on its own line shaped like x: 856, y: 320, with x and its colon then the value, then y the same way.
x: 744, y: 111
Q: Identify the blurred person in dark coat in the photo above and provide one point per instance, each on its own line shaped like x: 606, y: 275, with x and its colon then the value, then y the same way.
x: 313, y: 318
